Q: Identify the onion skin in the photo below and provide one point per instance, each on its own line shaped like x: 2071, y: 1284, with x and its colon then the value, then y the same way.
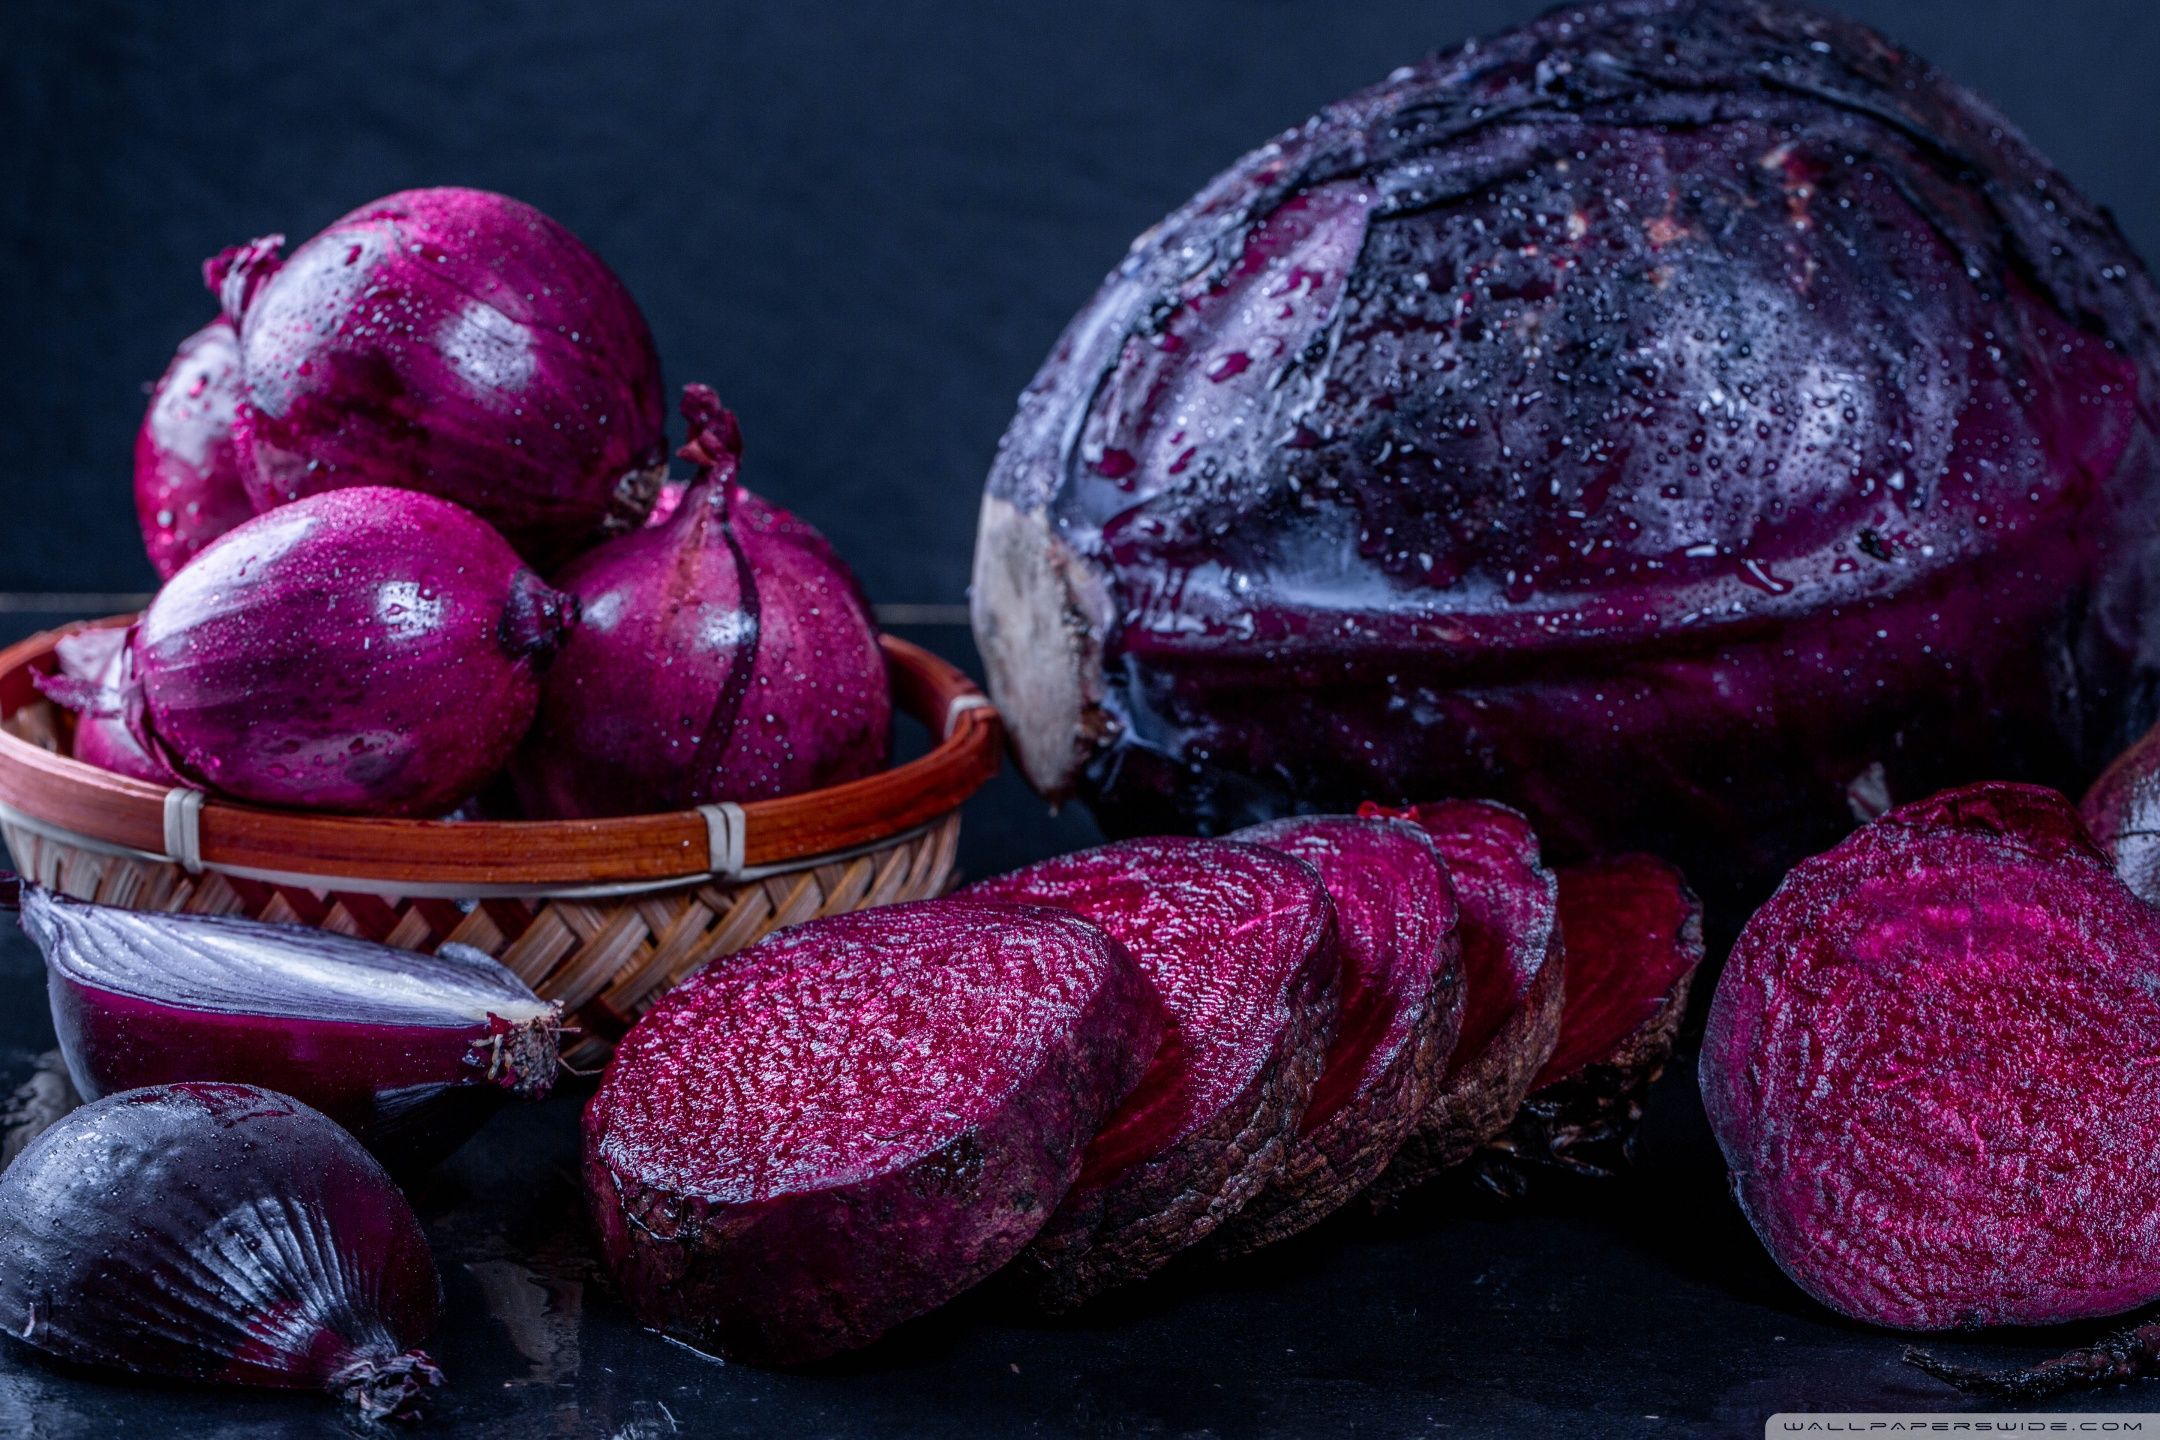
x: 371, y: 651
x: 188, y: 489
x: 96, y: 679
x: 453, y: 341
x: 1657, y: 418
x: 147, y: 998
x: 726, y: 654
x: 221, y: 1234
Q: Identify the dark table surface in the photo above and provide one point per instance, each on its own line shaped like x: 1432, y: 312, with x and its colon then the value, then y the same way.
x: 1643, y: 1309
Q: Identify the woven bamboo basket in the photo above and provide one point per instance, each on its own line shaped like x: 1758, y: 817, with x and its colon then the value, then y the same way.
x: 601, y: 915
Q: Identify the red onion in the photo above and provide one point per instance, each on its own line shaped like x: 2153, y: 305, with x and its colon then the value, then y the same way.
x: 187, y: 475
x: 410, y: 1052
x: 366, y: 650
x: 219, y: 1233
x: 727, y: 654
x: 452, y: 341
x: 96, y: 678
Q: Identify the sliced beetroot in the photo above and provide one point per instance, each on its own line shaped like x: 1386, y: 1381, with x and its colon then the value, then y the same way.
x: 1632, y: 932
x: 1240, y: 943
x: 1511, y: 952
x: 851, y: 1122
x: 1402, y: 1006
x: 1927, y: 1066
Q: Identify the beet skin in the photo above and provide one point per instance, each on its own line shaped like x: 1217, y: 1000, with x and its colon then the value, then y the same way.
x: 1632, y: 931
x: 1240, y: 943
x: 851, y: 1122
x: 1402, y: 1007
x: 1677, y: 419
x: 1927, y: 1065
x: 1512, y: 977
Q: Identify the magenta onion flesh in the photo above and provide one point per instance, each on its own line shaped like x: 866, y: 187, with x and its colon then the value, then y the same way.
x: 222, y: 1234
x: 1679, y: 419
x: 452, y: 341
x: 188, y: 489
x: 410, y: 1052
x: 96, y: 680
x: 727, y: 654
x: 367, y: 650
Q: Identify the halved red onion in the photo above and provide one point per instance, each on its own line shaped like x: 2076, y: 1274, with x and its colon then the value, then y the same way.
x: 410, y: 1052
x: 222, y: 1234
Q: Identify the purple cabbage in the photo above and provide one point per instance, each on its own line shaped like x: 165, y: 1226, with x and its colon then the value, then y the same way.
x: 368, y: 650
x: 1693, y: 423
x: 725, y: 654
x: 188, y: 489
x: 452, y: 341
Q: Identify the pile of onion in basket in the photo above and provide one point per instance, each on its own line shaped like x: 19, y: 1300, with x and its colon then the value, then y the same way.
x: 409, y: 499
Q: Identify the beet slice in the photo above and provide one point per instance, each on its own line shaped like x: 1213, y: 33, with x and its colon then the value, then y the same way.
x: 1402, y: 1006
x: 1632, y: 932
x: 1511, y: 951
x: 851, y: 1122
x: 1928, y: 1065
x: 1240, y: 943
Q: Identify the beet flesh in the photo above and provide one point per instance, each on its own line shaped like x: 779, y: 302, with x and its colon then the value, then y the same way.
x: 1240, y: 943
x: 851, y: 1122
x: 1402, y: 1007
x: 1632, y: 932
x: 1512, y: 982
x: 1657, y: 417
x: 1924, y: 1065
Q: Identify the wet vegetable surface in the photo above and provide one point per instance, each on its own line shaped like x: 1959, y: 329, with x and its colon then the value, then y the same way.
x: 1928, y: 1062
x: 1675, y: 419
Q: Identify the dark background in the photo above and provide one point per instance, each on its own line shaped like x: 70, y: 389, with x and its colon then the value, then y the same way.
x: 866, y: 224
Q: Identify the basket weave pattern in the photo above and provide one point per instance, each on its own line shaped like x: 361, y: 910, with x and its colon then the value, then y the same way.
x: 605, y: 957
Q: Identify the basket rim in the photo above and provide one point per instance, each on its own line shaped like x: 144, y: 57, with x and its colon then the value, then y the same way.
x: 58, y: 793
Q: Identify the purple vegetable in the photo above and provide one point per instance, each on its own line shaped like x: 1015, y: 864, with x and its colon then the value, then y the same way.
x: 222, y: 1234
x: 188, y: 489
x: 452, y: 341
x: 1928, y: 1064
x: 1680, y: 420
x: 2123, y: 811
x: 727, y: 654
x: 410, y: 1052
x: 96, y: 680
x: 856, y: 1119
x: 367, y: 650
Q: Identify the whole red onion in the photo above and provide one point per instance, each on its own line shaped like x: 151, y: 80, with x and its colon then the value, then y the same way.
x: 187, y: 475
x: 367, y: 650
x: 727, y: 654
x: 223, y: 1234
x: 453, y: 341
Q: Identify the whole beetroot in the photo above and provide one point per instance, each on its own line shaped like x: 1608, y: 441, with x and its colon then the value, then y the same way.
x: 368, y: 650
x: 1667, y: 417
x: 1927, y: 1064
x: 726, y: 654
